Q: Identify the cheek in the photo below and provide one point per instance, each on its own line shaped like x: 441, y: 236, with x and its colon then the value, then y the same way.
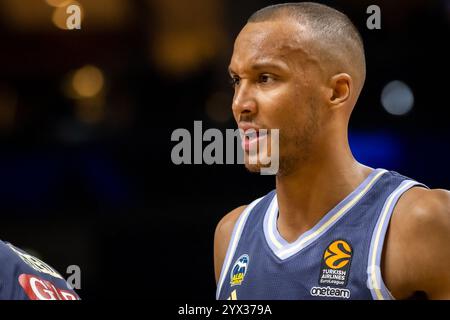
x: 287, y: 115
x: 280, y: 106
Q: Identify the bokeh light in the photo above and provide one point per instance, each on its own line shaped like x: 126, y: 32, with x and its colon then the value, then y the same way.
x: 58, y: 3
x: 88, y: 81
x: 397, y: 98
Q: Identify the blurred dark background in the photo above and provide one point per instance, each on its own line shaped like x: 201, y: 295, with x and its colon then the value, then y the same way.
x: 86, y: 118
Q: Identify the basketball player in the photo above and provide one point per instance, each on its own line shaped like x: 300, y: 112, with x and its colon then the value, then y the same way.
x: 333, y: 228
x: 24, y: 277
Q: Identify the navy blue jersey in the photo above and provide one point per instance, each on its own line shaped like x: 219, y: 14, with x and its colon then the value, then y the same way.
x: 337, y: 259
x: 24, y: 277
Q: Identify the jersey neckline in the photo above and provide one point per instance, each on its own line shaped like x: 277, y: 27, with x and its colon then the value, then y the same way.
x: 283, y: 249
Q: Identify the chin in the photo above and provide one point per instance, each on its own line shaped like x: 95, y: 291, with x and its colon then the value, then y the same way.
x: 256, y: 163
x: 255, y: 168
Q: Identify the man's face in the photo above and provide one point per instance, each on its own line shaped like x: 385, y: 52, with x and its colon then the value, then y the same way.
x: 277, y: 86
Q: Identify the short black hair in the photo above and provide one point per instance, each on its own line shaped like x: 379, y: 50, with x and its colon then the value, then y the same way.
x: 328, y: 25
x: 324, y: 18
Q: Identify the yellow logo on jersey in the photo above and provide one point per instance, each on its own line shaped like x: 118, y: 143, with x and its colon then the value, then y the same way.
x: 338, y: 254
x: 239, y: 270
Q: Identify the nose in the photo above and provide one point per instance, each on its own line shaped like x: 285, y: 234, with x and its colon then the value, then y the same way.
x: 244, y: 100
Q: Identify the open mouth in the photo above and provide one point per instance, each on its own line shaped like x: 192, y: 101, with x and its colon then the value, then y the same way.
x: 251, y: 138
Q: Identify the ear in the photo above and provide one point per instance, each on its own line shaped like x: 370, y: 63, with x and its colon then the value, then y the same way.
x: 340, y: 85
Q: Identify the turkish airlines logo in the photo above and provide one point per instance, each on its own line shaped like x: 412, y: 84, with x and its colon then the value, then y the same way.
x: 40, y: 289
x: 335, y: 265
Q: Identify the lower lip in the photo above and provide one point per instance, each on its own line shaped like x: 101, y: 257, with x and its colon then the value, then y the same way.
x: 247, y: 143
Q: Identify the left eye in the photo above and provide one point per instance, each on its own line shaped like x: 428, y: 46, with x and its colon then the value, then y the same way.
x: 264, y: 78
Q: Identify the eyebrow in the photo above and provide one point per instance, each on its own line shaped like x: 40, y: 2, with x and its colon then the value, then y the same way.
x: 263, y: 65
x: 267, y: 65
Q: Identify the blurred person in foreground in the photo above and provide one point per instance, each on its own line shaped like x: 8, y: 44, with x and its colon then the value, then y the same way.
x: 25, y: 277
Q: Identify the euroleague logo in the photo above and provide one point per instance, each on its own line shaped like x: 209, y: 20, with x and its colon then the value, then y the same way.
x: 336, y: 262
x: 338, y: 254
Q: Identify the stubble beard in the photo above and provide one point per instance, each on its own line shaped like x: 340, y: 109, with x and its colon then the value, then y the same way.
x: 300, y: 141
x: 295, y: 144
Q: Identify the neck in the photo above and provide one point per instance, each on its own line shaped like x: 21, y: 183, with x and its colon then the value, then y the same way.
x: 316, y: 186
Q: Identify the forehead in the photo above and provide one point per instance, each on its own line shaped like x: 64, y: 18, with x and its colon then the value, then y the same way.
x: 269, y: 41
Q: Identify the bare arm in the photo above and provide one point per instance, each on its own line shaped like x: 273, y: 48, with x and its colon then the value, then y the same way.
x: 417, y: 252
x: 222, y: 237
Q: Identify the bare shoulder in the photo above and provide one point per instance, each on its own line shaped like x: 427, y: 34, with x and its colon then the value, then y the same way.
x: 416, y: 248
x: 426, y: 197
x: 222, y: 237
x: 423, y: 210
x: 226, y: 224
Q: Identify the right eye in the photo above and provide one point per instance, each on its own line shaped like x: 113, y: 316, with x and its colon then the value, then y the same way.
x: 234, y: 81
